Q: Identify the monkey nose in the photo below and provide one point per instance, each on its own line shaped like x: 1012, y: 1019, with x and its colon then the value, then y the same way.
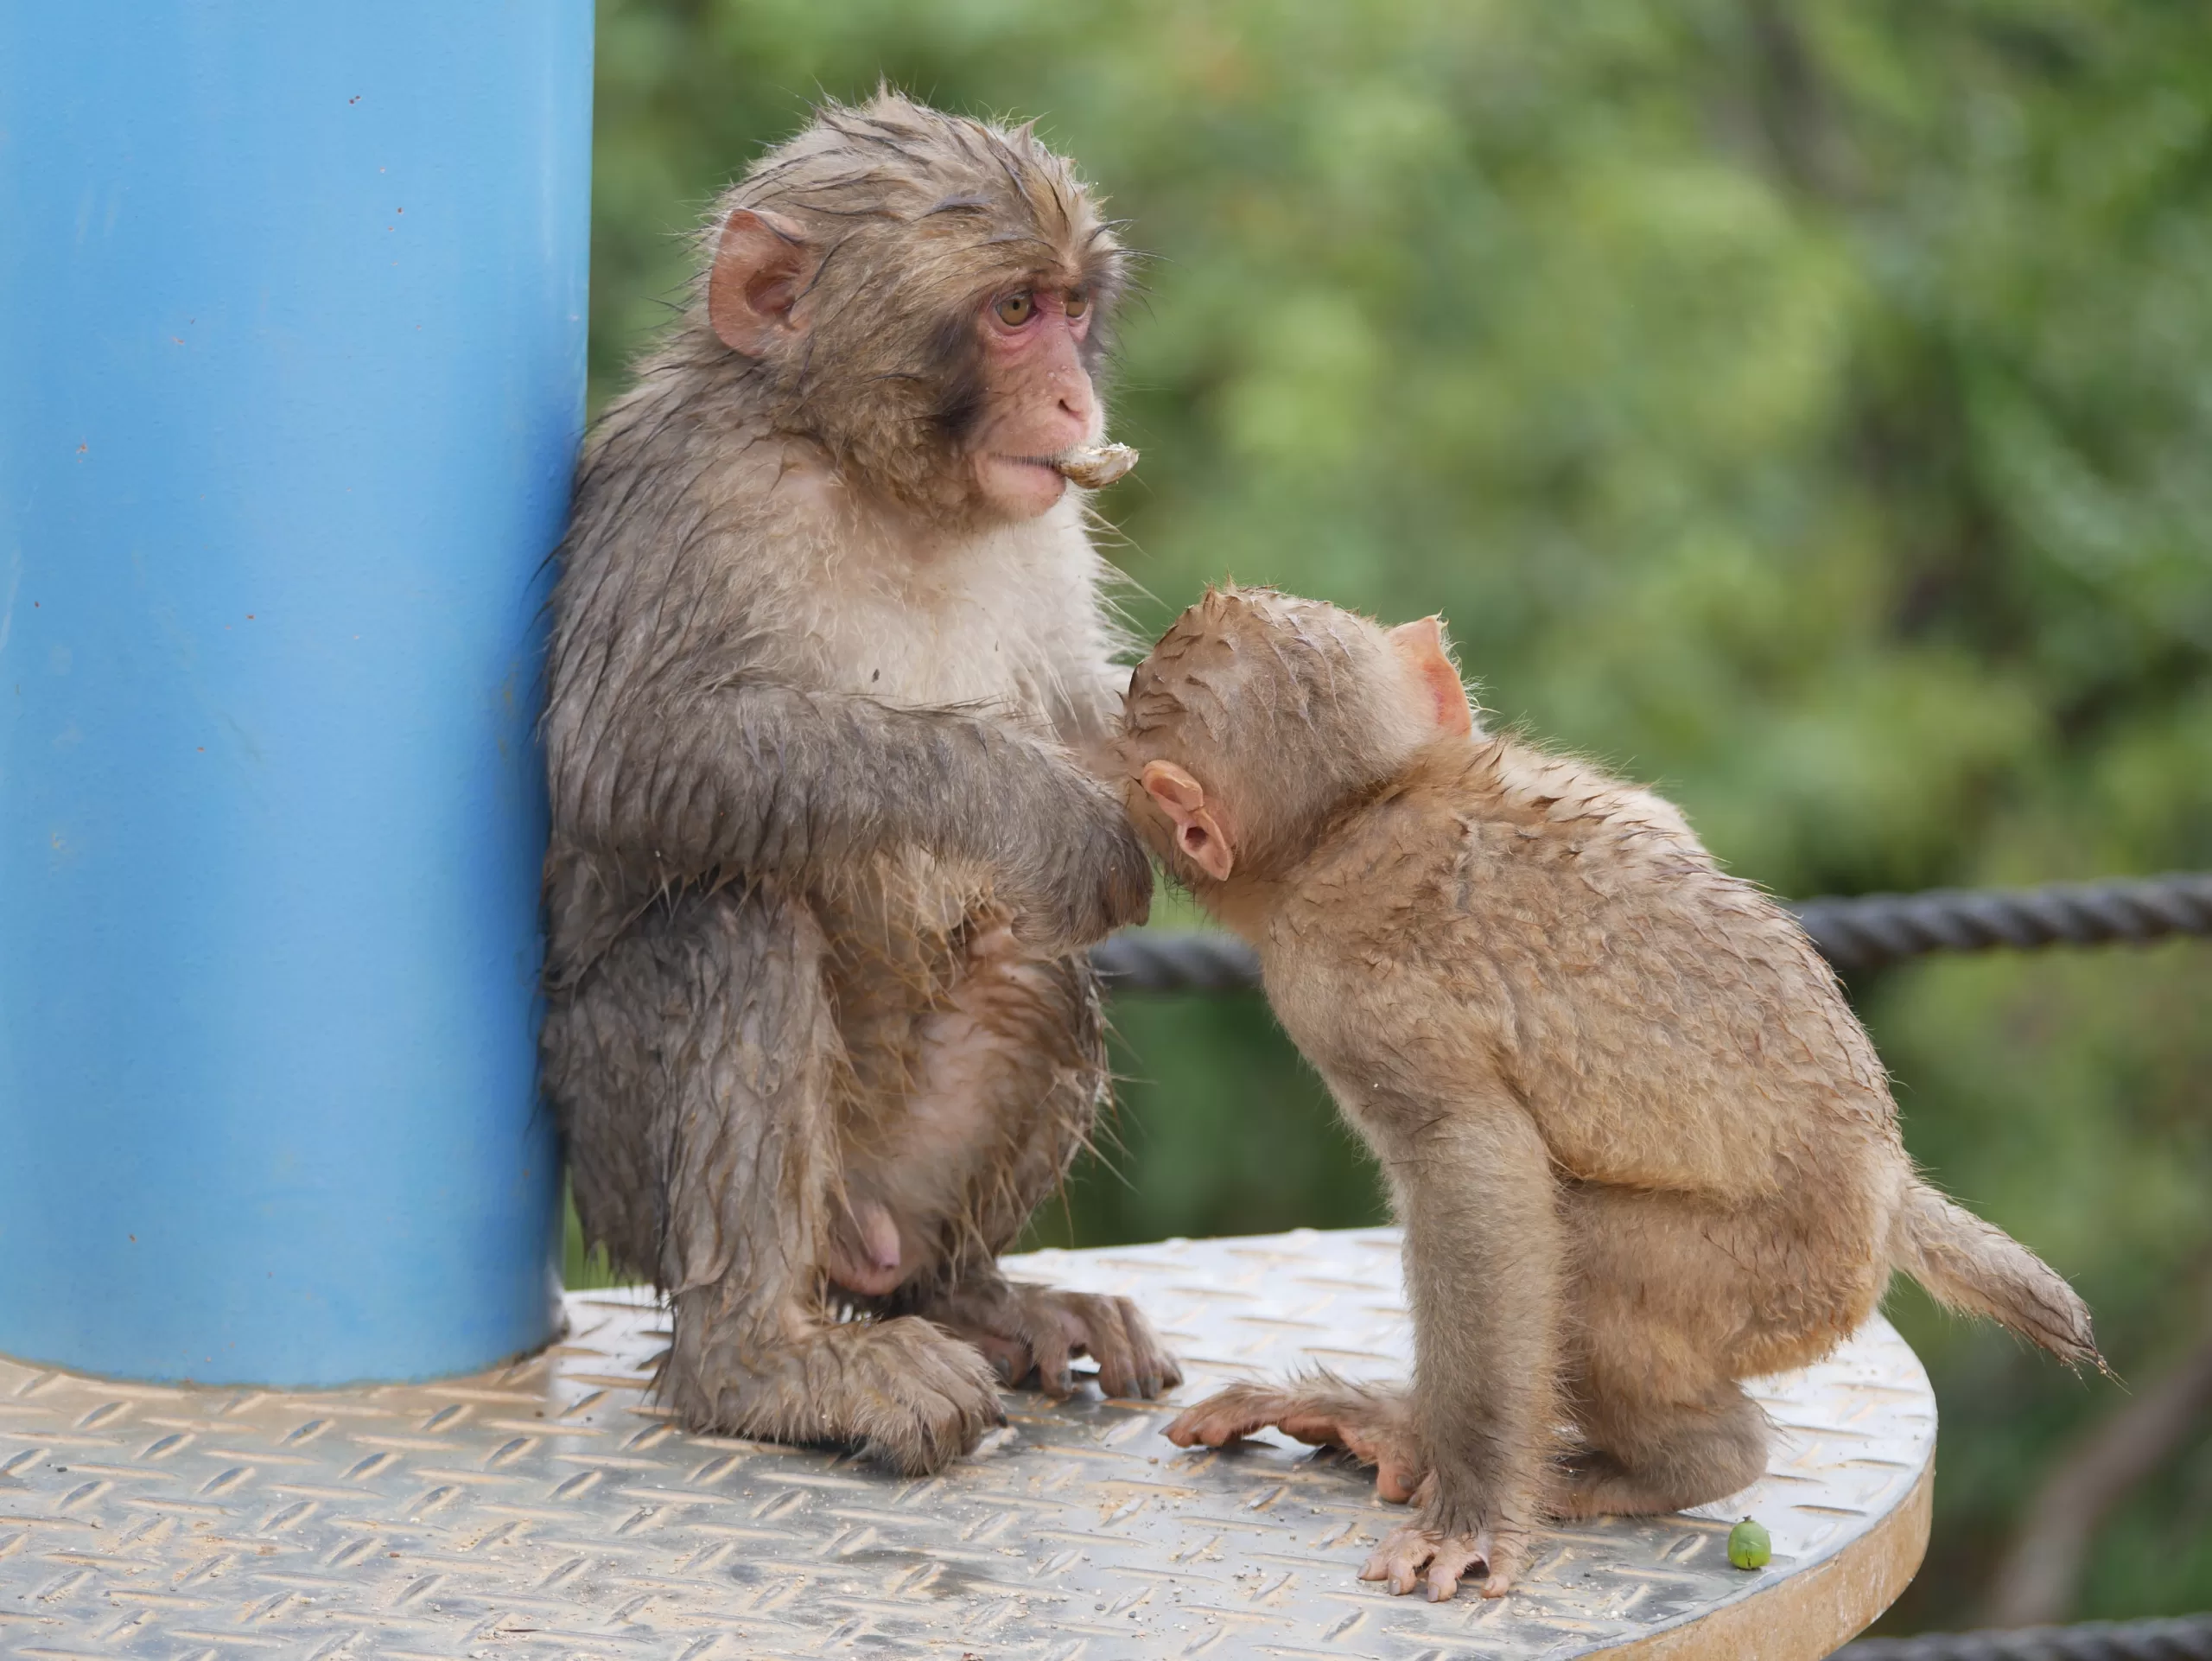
x: 1073, y: 391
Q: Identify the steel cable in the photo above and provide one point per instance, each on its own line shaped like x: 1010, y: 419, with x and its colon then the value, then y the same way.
x: 1879, y: 928
x: 1858, y: 933
x: 2187, y: 1638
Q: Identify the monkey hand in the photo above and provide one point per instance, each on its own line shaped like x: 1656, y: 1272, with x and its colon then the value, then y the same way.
x: 1034, y: 1332
x: 1088, y: 876
x: 1435, y: 1550
x: 1370, y: 1423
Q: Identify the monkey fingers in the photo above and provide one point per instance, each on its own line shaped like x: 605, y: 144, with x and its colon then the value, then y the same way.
x: 1436, y: 1561
x: 1398, y: 1471
x: 1059, y: 1326
x: 1036, y: 1332
x: 1227, y: 1415
x: 1145, y: 1369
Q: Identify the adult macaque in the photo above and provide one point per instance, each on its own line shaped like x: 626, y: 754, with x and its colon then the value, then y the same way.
x: 828, y: 641
x: 1641, y: 1145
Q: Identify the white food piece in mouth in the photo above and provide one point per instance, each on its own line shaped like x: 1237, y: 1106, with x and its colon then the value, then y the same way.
x: 1096, y: 465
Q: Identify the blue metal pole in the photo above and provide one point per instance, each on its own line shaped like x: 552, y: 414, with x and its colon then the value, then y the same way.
x: 291, y: 376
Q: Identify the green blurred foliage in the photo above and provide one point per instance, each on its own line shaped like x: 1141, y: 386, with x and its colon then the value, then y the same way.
x: 1808, y: 408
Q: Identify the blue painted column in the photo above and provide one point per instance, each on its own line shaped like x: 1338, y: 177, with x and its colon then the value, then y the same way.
x: 291, y: 377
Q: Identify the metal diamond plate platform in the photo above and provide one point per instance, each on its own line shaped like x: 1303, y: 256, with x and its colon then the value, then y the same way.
x: 549, y: 1510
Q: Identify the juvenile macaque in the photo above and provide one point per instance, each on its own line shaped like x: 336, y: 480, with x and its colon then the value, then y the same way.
x: 828, y: 645
x: 1641, y: 1147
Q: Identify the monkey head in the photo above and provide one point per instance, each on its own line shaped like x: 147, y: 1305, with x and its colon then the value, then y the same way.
x: 1258, y: 716
x: 925, y: 296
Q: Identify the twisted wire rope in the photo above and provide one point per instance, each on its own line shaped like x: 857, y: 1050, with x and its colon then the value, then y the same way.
x: 1859, y: 933
x: 2186, y: 1638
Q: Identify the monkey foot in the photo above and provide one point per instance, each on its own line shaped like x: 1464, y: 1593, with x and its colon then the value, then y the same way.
x: 1370, y: 1430
x: 903, y: 1391
x: 1435, y: 1561
x: 918, y: 1402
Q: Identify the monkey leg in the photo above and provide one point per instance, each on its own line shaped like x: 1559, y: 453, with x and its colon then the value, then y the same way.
x: 1011, y: 1068
x: 1001, y: 1072
x: 1666, y: 1297
x: 1372, y: 1422
x: 707, y: 1103
x: 1485, y: 1258
x: 600, y: 1067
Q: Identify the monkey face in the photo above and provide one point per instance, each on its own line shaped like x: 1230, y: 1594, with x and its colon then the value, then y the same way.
x: 926, y: 298
x: 1039, y: 403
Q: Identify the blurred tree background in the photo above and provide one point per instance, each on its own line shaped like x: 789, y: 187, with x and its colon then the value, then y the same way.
x: 1806, y: 408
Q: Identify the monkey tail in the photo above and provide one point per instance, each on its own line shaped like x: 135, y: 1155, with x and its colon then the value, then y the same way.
x: 1976, y: 1267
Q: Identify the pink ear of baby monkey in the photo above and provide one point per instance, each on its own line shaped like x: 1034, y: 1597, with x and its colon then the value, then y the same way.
x: 1198, y: 834
x: 1420, y: 644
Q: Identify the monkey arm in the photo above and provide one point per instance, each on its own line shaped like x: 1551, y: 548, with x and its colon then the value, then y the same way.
x: 1484, y: 1255
x: 757, y: 778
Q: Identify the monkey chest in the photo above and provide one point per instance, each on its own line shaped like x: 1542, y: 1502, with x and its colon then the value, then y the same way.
x: 998, y: 628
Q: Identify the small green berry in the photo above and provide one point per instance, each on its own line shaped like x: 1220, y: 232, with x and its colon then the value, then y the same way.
x: 1749, y: 1546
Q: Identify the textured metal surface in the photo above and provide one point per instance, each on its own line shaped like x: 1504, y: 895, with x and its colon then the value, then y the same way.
x: 549, y: 1510
x: 1863, y: 931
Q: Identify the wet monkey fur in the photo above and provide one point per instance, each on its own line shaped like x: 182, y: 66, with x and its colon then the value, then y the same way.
x: 830, y: 668
x: 1641, y: 1147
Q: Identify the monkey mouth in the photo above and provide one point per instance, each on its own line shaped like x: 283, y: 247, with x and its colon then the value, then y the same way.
x: 1088, y: 466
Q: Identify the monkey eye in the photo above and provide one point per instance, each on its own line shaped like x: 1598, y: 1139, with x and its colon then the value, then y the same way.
x: 1079, y: 302
x: 1016, y: 309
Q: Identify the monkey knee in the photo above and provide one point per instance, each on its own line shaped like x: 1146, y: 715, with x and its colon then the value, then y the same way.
x: 1667, y: 1456
x: 1734, y: 1469
x: 1740, y: 1448
x: 1708, y: 1457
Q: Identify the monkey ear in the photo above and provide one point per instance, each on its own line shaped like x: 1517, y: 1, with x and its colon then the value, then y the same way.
x: 1198, y: 834
x: 1421, y: 645
x: 763, y: 262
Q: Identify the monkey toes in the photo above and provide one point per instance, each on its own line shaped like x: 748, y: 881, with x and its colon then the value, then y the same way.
x: 1372, y: 1424
x: 917, y: 1401
x: 1436, y: 1561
